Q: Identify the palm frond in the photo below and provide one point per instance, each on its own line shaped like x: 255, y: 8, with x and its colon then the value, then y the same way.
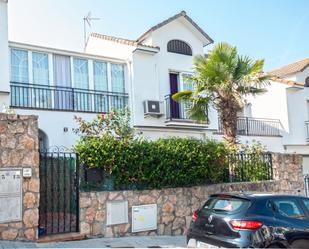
x: 182, y: 96
x: 245, y: 90
x: 199, y: 110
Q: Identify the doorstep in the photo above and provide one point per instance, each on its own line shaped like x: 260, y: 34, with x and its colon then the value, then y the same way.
x: 61, y: 237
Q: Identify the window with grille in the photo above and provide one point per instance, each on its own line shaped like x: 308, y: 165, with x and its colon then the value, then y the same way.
x: 179, y: 47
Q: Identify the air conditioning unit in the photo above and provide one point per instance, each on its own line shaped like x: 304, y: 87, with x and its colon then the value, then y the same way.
x: 152, y: 108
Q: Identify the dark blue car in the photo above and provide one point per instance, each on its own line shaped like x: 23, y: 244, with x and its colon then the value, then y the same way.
x: 251, y: 221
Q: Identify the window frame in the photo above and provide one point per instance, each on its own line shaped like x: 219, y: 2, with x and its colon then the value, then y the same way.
x: 87, y: 67
x: 48, y: 67
x: 29, y: 61
x: 298, y: 204
x: 111, y: 78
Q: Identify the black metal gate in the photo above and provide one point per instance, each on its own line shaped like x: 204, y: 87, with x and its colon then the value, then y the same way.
x: 307, y: 185
x: 59, y: 192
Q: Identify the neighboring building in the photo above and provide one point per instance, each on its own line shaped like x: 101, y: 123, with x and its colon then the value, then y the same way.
x: 114, y: 72
x: 295, y: 108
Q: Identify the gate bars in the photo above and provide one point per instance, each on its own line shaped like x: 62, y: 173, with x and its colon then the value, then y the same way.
x: 59, y: 193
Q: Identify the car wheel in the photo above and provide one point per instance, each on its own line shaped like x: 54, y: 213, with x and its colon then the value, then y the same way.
x: 302, y: 243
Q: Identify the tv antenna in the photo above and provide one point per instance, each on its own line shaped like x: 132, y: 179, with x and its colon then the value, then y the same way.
x: 87, y: 22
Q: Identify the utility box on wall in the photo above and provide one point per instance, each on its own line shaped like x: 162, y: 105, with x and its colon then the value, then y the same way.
x: 144, y: 218
x: 10, y: 195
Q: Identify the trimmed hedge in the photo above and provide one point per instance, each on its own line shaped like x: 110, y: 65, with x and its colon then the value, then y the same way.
x: 143, y: 164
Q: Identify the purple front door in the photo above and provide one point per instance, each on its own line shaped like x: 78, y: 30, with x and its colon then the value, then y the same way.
x: 174, y: 106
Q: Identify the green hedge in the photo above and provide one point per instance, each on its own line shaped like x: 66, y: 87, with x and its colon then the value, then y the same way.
x: 144, y: 164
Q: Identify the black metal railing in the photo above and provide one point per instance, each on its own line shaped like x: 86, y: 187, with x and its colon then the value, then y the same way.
x: 32, y: 96
x: 248, y: 126
x: 177, y: 111
x: 307, y: 130
x: 237, y: 167
x: 246, y: 167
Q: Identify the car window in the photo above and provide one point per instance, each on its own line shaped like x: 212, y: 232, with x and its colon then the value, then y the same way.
x: 226, y: 204
x: 289, y: 208
x: 306, y: 202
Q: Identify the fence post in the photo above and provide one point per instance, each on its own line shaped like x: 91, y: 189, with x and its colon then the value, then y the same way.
x: 77, y: 180
x: 230, y: 169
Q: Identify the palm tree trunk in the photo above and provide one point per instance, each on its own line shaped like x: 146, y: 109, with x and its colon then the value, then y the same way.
x: 228, y: 118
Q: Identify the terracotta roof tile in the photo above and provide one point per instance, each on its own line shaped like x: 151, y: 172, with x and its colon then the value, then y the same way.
x: 287, y: 82
x: 121, y: 40
x: 291, y: 68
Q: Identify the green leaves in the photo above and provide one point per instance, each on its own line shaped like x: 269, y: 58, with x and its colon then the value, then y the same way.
x: 224, y: 79
x: 116, y: 123
x: 172, y: 162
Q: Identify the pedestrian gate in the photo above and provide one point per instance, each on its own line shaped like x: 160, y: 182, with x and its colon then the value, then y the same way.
x: 59, y: 193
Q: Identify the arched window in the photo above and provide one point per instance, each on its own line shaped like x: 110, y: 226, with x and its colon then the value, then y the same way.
x: 179, y: 47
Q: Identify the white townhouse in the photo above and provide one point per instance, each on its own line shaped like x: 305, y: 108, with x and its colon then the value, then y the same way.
x: 113, y: 72
x: 288, y: 100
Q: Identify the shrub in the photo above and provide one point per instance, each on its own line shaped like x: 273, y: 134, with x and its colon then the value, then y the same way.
x: 108, y: 144
x: 116, y: 123
x: 144, y: 164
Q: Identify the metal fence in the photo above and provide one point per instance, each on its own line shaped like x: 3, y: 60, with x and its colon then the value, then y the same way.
x: 255, y: 126
x: 59, y: 193
x: 243, y: 167
x: 32, y: 96
x: 238, y: 167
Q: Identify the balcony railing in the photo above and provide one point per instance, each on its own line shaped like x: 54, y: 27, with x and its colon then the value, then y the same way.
x: 307, y: 130
x: 177, y: 111
x: 31, y: 96
x: 248, y: 126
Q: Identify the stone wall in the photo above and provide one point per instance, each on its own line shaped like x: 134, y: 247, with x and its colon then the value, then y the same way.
x: 176, y: 205
x: 288, y: 171
x: 19, y: 149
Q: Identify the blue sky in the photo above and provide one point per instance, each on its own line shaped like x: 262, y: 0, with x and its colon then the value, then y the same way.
x: 276, y: 30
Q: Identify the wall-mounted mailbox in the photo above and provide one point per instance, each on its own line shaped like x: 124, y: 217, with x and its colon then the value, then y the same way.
x: 10, y: 195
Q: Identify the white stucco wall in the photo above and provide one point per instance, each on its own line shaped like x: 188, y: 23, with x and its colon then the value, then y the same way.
x: 108, y: 48
x: 301, y: 76
x: 272, y: 104
x: 273, y: 144
x: 151, y: 71
x: 298, y: 114
x: 52, y: 123
x: 4, y: 52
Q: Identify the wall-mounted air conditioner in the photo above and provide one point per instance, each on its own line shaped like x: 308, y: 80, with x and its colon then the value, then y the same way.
x: 152, y: 108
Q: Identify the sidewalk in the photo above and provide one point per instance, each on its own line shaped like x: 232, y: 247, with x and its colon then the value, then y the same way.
x: 134, y: 241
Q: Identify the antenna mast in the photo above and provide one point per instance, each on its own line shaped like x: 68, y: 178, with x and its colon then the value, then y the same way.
x: 87, y: 20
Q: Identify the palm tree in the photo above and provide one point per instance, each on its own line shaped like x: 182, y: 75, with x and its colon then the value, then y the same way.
x: 223, y: 79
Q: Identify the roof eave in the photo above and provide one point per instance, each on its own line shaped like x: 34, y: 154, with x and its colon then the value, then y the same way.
x: 141, y: 48
x: 181, y: 14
